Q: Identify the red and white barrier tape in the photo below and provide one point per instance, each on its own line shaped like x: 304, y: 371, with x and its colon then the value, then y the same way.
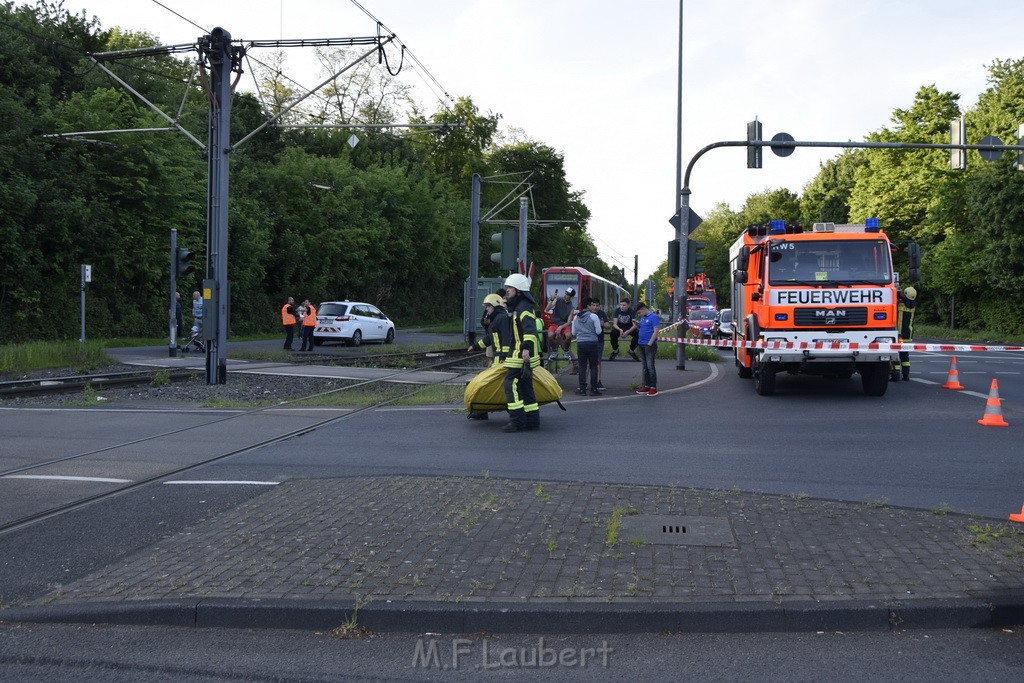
x: 818, y: 346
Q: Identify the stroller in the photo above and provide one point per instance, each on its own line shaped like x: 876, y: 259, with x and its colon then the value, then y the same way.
x: 193, y: 340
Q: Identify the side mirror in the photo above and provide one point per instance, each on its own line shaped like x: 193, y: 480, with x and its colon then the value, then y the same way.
x: 743, y: 259
x: 740, y: 276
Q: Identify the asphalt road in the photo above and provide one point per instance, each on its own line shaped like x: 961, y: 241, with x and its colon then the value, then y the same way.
x: 75, y: 653
x: 918, y: 446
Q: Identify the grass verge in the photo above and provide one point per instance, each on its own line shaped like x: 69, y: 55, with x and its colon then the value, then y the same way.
x: 82, y: 357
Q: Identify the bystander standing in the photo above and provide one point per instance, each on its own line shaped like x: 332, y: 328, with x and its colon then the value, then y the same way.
x: 586, y: 327
x: 646, y: 329
x: 288, y: 321
x: 308, y: 325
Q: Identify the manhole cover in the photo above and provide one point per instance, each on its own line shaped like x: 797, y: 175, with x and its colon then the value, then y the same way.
x: 714, y: 531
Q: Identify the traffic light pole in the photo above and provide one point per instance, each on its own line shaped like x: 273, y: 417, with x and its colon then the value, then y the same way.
x: 472, y: 307
x: 172, y: 330
x: 682, y: 234
x: 784, y: 147
x: 778, y: 145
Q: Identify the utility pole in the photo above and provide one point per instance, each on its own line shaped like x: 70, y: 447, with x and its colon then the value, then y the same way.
x: 682, y: 204
x: 221, y: 59
x: 523, y: 214
x: 636, y: 278
x: 474, y: 259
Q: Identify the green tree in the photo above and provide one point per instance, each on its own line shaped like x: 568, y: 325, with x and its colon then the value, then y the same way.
x: 826, y: 199
x: 897, y: 185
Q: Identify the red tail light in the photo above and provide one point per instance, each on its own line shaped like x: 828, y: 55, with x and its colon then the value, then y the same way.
x: 342, y: 318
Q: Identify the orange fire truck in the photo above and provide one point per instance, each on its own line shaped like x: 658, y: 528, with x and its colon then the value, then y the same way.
x: 822, y: 296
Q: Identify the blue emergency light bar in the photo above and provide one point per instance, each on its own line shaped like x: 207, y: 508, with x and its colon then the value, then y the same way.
x: 778, y: 227
x: 871, y: 225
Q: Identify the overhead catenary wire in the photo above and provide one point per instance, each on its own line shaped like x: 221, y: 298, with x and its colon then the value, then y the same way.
x: 180, y: 16
x: 422, y: 70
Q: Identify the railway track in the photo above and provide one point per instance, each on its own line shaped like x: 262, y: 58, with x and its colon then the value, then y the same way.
x: 53, y: 385
x: 41, y: 386
x: 9, y: 526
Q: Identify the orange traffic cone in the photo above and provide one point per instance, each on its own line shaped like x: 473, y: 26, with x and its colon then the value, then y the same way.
x: 953, y: 378
x: 1018, y: 518
x: 993, y: 416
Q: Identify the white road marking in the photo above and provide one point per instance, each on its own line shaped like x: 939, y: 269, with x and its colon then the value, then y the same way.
x: 56, y: 477
x: 214, y: 482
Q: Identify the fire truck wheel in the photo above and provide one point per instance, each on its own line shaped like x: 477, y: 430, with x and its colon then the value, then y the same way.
x: 745, y: 372
x: 875, y: 379
x: 764, y: 378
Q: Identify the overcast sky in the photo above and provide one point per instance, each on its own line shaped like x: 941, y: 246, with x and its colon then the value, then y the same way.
x: 597, y: 79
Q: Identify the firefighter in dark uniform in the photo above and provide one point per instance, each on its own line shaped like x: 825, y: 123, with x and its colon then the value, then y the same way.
x: 906, y: 304
x: 495, y: 340
x: 523, y: 356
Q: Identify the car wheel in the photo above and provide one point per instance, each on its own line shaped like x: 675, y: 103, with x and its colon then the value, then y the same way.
x: 390, y: 339
x: 357, y: 338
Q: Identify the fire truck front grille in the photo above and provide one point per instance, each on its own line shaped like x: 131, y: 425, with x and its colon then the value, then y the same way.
x: 839, y: 317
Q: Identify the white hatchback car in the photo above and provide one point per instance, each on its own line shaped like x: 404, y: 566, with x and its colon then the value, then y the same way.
x: 352, y: 322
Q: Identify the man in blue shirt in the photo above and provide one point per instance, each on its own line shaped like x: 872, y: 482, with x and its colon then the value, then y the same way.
x: 646, y: 328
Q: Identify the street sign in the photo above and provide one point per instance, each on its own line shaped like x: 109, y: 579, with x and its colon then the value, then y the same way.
x: 990, y: 154
x: 694, y: 221
x: 782, y: 151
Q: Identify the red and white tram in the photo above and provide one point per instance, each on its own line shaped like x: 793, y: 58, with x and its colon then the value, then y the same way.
x: 555, y: 280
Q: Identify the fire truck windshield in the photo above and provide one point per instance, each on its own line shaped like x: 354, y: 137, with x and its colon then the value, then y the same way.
x: 833, y: 262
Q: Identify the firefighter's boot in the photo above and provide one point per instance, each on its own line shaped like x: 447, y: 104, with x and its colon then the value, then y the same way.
x: 906, y: 374
x: 517, y: 421
x: 533, y: 420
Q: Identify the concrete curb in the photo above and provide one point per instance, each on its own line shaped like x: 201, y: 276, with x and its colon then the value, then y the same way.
x: 545, y: 618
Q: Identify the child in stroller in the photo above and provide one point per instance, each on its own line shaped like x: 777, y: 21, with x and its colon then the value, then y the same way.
x: 193, y: 339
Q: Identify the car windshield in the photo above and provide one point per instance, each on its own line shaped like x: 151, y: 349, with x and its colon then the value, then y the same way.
x: 702, y: 315
x: 333, y: 309
x: 727, y: 316
x: 849, y: 262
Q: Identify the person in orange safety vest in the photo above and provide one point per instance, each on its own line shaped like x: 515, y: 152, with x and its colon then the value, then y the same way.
x: 288, y: 320
x: 308, y: 325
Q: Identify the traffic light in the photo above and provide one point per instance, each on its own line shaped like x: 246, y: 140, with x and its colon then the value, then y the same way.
x: 1020, y: 141
x: 673, y: 258
x: 506, y: 241
x: 694, y: 256
x: 183, y: 264
x: 754, y: 153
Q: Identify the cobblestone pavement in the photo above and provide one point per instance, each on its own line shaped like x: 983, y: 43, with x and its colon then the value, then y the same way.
x: 475, y: 540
